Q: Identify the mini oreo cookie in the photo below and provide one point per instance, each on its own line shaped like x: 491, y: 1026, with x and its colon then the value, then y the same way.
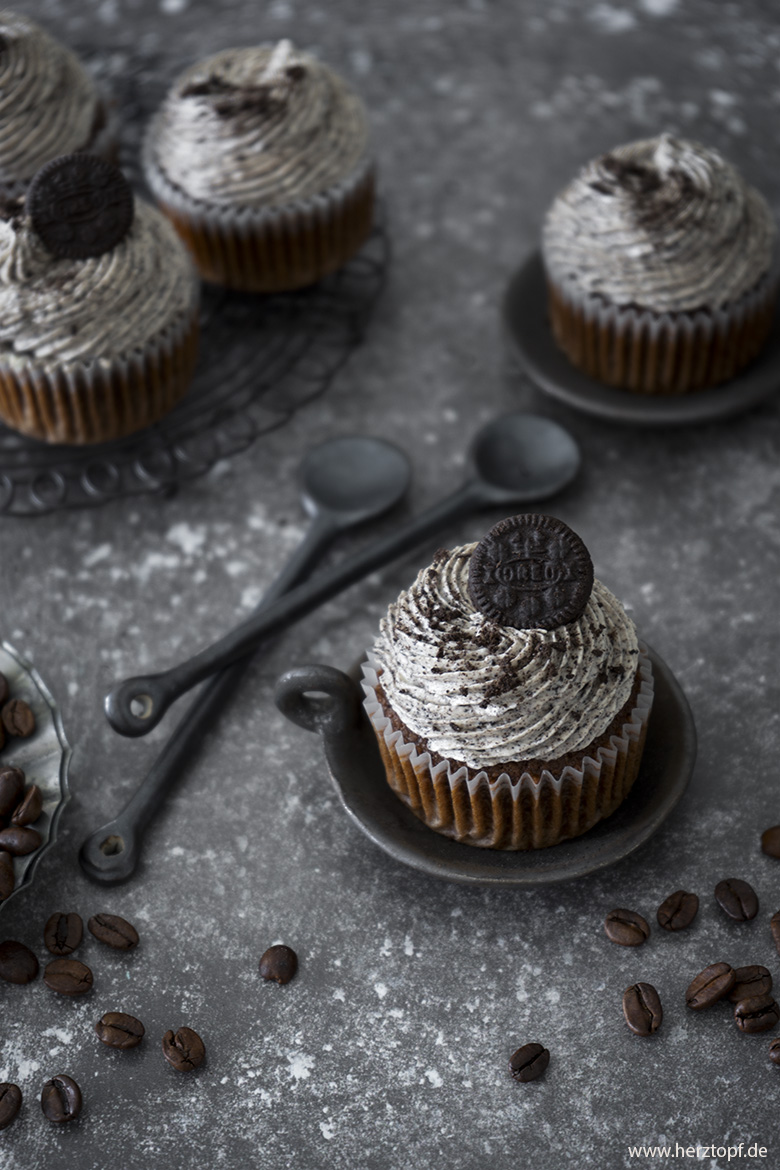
x: 80, y: 206
x: 531, y: 572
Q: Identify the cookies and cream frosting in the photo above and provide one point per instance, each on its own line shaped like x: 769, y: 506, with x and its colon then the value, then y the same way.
x: 485, y: 694
x: 101, y: 308
x: 258, y: 127
x: 48, y: 104
x: 663, y: 224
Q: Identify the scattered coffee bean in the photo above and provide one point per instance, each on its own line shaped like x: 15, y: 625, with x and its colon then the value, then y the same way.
x: 63, y: 933
x: 18, y: 719
x: 11, y: 789
x: 754, y: 980
x: 7, y: 878
x: 774, y: 1051
x: 20, y: 840
x: 737, y: 898
x: 67, y: 977
x: 113, y: 931
x: 642, y: 1009
x: 279, y: 964
x: 770, y: 841
x: 758, y: 1013
x: 774, y: 926
x: 17, y: 962
x: 5, y: 690
x: 118, y: 1030
x: 678, y: 910
x: 710, y: 985
x: 184, y: 1049
x: 61, y: 1099
x: 626, y: 928
x: 30, y: 807
x: 529, y: 1062
x: 10, y: 1102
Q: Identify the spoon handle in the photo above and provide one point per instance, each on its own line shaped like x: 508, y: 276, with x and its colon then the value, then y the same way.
x: 153, y: 694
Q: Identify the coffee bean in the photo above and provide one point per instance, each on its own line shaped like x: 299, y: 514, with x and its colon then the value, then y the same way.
x: 61, y: 1099
x: 118, y: 1030
x: 18, y: 719
x: 67, y: 977
x: 10, y: 1103
x: 678, y: 910
x: 754, y: 980
x: 7, y: 877
x: 63, y: 933
x: 642, y: 1009
x: 774, y: 926
x: 11, y: 789
x: 770, y: 841
x: 774, y: 1051
x: 20, y: 840
x: 278, y: 963
x: 30, y: 807
x: 17, y: 962
x: 758, y: 1013
x: 5, y: 690
x: 710, y: 985
x: 737, y: 898
x: 529, y: 1062
x: 113, y: 931
x: 184, y: 1049
x: 626, y: 928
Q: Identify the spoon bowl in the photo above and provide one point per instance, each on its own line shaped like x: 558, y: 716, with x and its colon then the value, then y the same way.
x: 353, y: 478
x: 524, y: 457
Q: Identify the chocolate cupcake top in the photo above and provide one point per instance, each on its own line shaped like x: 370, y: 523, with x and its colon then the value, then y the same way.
x: 481, y: 693
x: 662, y: 224
x: 48, y: 104
x: 258, y: 127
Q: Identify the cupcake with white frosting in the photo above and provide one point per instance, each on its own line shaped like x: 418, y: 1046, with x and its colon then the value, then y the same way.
x: 660, y: 264
x: 261, y: 159
x: 508, y: 690
x: 49, y: 105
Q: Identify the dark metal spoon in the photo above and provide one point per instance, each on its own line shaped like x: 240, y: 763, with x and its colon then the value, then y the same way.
x: 345, y: 482
x: 518, y: 458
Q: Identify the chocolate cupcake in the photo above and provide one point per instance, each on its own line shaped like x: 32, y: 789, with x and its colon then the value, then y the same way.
x: 260, y: 157
x: 660, y: 268
x: 98, y: 307
x: 49, y: 106
x: 508, y: 691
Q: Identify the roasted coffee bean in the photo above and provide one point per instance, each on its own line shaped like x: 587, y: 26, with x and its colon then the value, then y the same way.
x: 774, y: 926
x: 67, y: 977
x: 5, y: 690
x: 17, y: 962
x: 10, y: 1103
x: 758, y: 1013
x: 754, y: 980
x: 118, y: 1030
x: 184, y: 1049
x: 63, y: 933
x: 737, y: 899
x: 278, y: 963
x: 529, y: 1062
x: 7, y: 878
x: 710, y: 985
x: 18, y: 719
x: 20, y: 840
x: 770, y: 841
x: 642, y: 1009
x: 626, y: 928
x: 113, y: 931
x: 29, y: 808
x: 678, y: 910
x: 774, y: 1051
x: 61, y: 1099
x: 11, y: 789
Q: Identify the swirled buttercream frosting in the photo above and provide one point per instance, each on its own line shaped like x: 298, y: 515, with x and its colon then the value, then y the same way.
x: 484, y: 694
x: 101, y: 308
x: 48, y: 104
x: 663, y: 224
x: 258, y: 127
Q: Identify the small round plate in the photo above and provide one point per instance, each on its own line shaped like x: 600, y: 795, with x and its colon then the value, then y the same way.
x: 44, y: 757
x: 526, y: 323
x: 667, y: 764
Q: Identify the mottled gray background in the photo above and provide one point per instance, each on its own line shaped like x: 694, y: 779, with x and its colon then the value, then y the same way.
x: 389, y: 1050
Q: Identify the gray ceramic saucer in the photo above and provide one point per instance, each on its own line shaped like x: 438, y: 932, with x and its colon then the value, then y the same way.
x: 328, y: 701
x: 526, y: 324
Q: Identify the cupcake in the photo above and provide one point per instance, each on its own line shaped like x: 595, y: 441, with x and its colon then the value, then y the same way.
x: 660, y: 268
x: 508, y: 691
x: 260, y: 157
x: 49, y: 106
x: 98, y: 307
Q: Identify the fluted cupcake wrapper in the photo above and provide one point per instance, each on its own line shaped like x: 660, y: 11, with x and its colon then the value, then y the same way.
x: 90, y: 402
x: 531, y: 812
x: 660, y: 353
x: 270, y: 249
